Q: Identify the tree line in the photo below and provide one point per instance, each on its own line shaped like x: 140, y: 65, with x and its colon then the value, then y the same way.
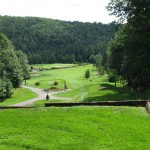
x: 50, y: 41
x: 13, y: 67
x: 129, y: 51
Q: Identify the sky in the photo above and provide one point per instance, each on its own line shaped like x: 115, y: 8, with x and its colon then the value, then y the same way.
x: 68, y: 10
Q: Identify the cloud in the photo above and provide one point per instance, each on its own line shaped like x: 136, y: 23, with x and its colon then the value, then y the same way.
x: 75, y: 5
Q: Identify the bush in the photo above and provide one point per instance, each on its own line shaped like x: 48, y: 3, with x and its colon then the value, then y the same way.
x: 111, y: 78
x: 41, y: 69
x: 37, y: 83
x: 5, y: 88
x: 55, y: 83
x: 53, y: 87
x: 87, y: 73
x: 31, y: 68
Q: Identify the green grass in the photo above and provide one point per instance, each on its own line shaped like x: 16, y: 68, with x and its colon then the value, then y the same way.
x: 109, y: 92
x: 50, y: 66
x: 46, y: 77
x: 83, y: 128
x: 97, y: 88
x: 41, y: 103
x: 19, y: 95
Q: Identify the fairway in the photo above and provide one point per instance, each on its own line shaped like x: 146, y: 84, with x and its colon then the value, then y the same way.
x: 96, y: 88
x: 83, y: 128
x: 19, y: 95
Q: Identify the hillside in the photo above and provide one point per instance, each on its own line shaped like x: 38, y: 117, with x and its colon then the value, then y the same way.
x: 49, y: 41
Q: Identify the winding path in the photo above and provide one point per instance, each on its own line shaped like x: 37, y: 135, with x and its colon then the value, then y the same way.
x: 41, y: 95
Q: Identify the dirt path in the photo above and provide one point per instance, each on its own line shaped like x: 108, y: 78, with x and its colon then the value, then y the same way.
x: 41, y: 96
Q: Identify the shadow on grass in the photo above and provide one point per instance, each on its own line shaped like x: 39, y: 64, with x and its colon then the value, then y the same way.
x: 112, y: 93
x: 1, y: 100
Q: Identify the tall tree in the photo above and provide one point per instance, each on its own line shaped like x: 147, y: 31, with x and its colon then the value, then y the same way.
x: 116, y: 52
x: 10, y: 66
x: 24, y: 64
x: 13, y: 67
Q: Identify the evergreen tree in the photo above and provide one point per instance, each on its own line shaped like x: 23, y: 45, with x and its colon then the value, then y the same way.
x: 10, y: 66
x: 87, y: 74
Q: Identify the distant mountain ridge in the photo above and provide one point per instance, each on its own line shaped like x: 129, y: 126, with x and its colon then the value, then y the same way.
x: 49, y: 41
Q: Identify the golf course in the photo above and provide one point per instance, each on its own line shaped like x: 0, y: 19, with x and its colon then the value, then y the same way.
x: 85, y: 128
x: 75, y: 75
x: 79, y: 89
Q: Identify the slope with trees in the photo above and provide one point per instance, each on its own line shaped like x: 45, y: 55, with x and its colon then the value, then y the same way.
x: 49, y: 41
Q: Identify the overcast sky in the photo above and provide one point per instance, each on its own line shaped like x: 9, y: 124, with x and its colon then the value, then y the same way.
x: 69, y: 10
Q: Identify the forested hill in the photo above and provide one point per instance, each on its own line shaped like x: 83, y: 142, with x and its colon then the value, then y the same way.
x: 49, y: 41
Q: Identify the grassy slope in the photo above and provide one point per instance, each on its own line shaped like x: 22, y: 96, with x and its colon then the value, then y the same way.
x: 84, y: 128
x: 20, y: 95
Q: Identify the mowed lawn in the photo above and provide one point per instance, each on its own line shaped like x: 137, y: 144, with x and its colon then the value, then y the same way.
x: 19, y: 95
x: 76, y: 128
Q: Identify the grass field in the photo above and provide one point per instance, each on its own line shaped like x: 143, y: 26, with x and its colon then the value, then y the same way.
x: 19, y: 95
x: 77, y: 128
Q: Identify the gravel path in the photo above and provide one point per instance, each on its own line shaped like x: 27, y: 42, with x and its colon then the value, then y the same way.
x: 41, y: 96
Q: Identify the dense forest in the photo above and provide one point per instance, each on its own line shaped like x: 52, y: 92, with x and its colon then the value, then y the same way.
x: 49, y: 41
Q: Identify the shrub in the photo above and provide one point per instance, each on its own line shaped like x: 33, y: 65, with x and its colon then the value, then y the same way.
x: 56, y: 83
x: 41, y: 69
x: 31, y: 68
x: 5, y: 88
x: 53, y: 87
x: 87, y: 73
x: 37, y: 83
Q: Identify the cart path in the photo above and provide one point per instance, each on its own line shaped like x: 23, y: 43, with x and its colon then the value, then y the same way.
x: 41, y: 96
